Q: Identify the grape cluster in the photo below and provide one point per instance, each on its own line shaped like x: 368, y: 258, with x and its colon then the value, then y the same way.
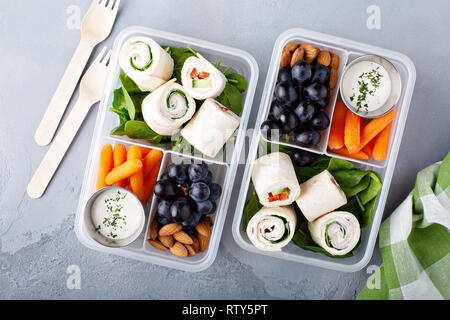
x: 186, y: 192
x: 301, y: 95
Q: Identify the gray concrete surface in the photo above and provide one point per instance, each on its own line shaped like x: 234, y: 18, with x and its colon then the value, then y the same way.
x: 37, y: 241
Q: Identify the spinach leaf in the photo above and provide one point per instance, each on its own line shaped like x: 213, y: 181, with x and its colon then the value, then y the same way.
x: 129, y: 104
x: 179, y: 56
x: 231, y: 98
x: 140, y: 130
x: 118, y: 131
x: 251, y: 208
x: 237, y: 81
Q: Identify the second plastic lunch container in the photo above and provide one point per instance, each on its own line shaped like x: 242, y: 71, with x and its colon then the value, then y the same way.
x: 224, y: 171
x: 348, y: 51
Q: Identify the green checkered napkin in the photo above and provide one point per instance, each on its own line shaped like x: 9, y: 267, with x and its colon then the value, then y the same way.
x: 415, y: 242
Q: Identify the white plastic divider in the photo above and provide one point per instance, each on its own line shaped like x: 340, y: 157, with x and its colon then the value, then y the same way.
x: 361, y: 256
x: 244, y: 64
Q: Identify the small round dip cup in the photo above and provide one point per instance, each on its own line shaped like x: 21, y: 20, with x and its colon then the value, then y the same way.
x: 100, y: 238
x: 396, y: 87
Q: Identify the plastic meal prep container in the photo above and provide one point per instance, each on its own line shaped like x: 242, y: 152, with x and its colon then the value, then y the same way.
x: 348, y: 51
x: 223, y: 171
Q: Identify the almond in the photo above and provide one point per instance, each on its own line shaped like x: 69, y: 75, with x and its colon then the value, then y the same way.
x: 291, y: 46
x: 191, y: 251
x: 208, y: 220
x: 170, y: 229
x: 196, y: 244
x: 311, y: 54
x: 154, y: 229
x: 179, y: 250
x: 203, y: 228
x: 167, y: 241
x: 324, y: 58
x: 334, y: 61
x: 203, y: 241
x: 183, y: 237
x: 286, y: 57
x: 297, y: 56
x: 333, y: 78
x: 156, y: 244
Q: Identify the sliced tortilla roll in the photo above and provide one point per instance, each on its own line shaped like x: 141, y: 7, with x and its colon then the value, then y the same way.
x: 167, y: 108
x: 270, y: 229
x: 275, y: 180
x: 211, y: 127
x: 320, y: 194
x: 201, y: 79
x: 337, y: 232
x: 144, y: 61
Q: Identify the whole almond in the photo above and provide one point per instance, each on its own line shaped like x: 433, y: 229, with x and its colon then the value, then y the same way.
x: 179, y: 250
x: 306, y: 45
x: 191, y: 251
x: 203, y: 241
x: 333, y: 78
x: 334, y: 61
x: 167, y: 241
x: 208, y: 220
x: 286, y: 57
x: 297, y: 56
x: 324, y: 58
x: 311, y: 54
x: 183, y: 237
x: 170, y: 229
x: 157, y: 244
x: 195, y: 244
x: 203, y: 228
x: 154, y: 229
x: 291, y: 46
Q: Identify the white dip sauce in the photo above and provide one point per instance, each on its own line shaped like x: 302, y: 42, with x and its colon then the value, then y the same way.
x: 366, y: 86
x: 116, y: 214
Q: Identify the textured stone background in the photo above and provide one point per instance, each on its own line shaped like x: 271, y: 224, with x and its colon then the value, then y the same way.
x: 37, y: 241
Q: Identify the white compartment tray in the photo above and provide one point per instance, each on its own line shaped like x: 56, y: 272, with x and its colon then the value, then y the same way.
x: 347, y: 50
x: 224, y: 171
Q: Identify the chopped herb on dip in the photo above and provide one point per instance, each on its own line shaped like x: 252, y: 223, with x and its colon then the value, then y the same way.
x: 116, y: 214
x: 367, y: 86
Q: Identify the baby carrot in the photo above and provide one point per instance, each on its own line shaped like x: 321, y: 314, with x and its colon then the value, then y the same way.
x: 368, y: 149
x: 145, y: 151
x: 352, y: 131
x: 374, y: 127
x: 105, y: 166
x: 381, y: 144
x: 120, y: 156
x: 150, y: 160
x: 357, y: 155
x: 150, y: 182
x: 125, y: 170
x: 336, y: 139
x: 137, y: 179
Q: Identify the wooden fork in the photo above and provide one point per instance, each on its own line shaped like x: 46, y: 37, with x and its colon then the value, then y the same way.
x: 91, y: 89
x: 95, y: 27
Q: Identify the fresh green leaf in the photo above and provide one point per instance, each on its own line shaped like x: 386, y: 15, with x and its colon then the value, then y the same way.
x: 129, y: 104
x: 238, y: 81
x: 118, y: 131
x: 251, y: 208
x: 179, y: 56
x: 140, y: 130
x: 231, y: 98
